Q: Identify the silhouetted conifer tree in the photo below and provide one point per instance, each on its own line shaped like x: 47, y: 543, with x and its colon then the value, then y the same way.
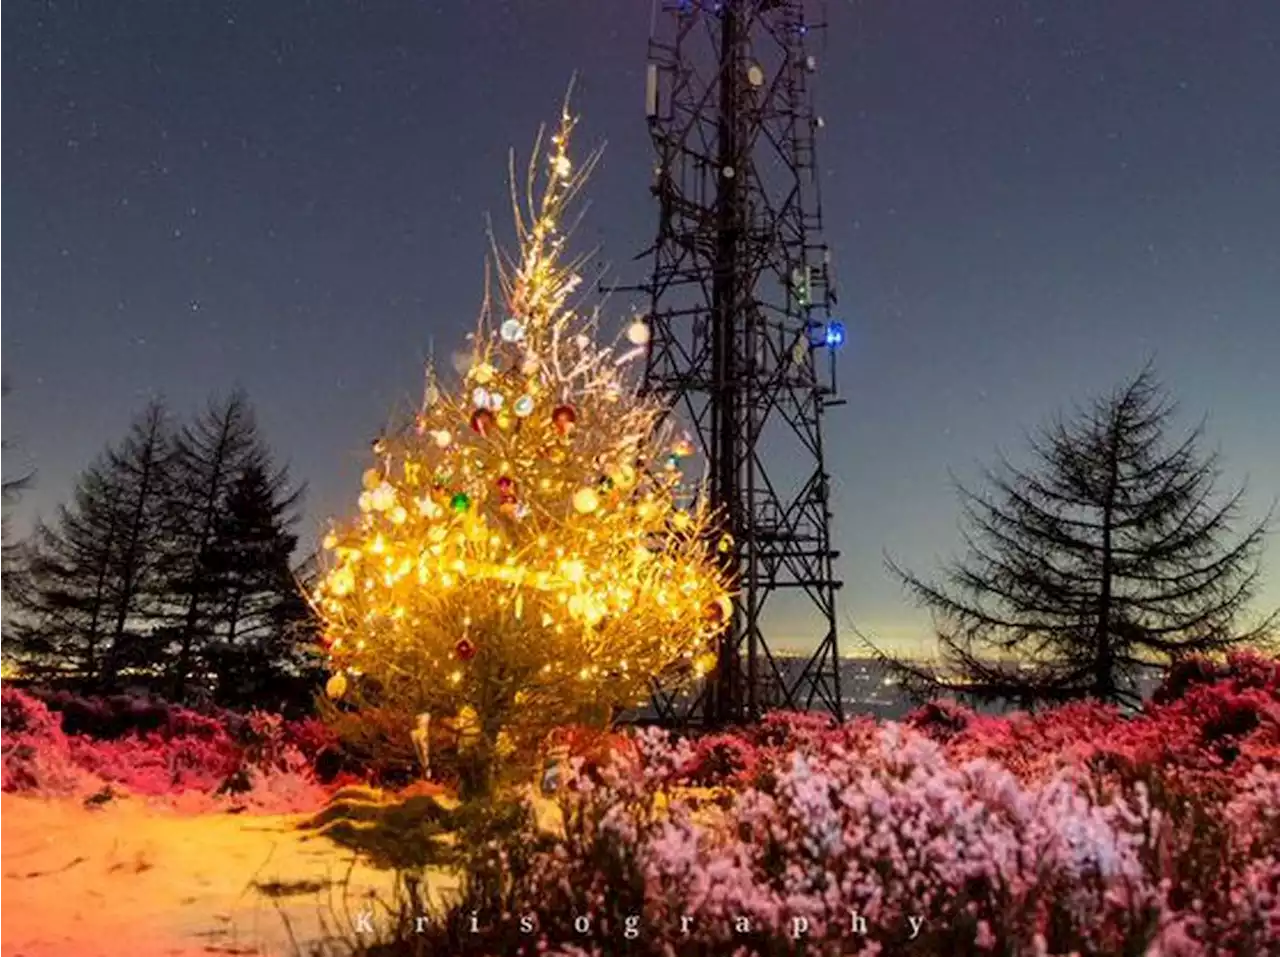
x: 11, y: 489
x: 63, y: 604
x: 141, y: 467
x: 88, y: 599
x: 224, y: 486
x: 252, y: 586
x: 1110, y: 555
x: 304, y: 672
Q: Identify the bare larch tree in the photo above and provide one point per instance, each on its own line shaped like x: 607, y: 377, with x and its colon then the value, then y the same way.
x: 1111, y: 554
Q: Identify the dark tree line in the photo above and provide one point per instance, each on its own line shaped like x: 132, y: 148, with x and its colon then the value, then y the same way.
x: 1110, y: 555
x: 10, y: 486
x: 170, y: 569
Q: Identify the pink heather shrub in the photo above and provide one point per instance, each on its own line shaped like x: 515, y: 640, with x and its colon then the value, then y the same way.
x: 35, y: 752
x: 795, y: 729
x: 118, y: 716
x: 1209, y: 723
x: 1253, y: 858
x: 888, y: 830
x: 1074, y: 831
x: 311, y: 736
x: 115, y: 716
x: 21, y: 714
x: 155, y: 764
x: 1242, y: 670
x: 593, y: 745
x: 941, y: 719
x: 197, y: 761
x: 287, y: 787
x: 722, y: 759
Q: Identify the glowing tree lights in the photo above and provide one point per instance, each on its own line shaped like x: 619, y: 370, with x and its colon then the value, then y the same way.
x: 525, y: 550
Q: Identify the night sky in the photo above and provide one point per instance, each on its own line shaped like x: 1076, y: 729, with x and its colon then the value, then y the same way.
x: 1025, y: 202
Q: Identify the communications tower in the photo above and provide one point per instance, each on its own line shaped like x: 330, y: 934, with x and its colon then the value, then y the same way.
x: 742, y: 339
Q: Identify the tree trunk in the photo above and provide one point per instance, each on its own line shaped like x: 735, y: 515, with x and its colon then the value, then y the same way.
x: 197, y: 581
x: 131, y: 561
x: 1104, y: 683
x: 99, y: 602
x: 478, y: 773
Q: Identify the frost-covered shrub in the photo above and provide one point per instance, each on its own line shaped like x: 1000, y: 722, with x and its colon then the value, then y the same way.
x: 941, y: 720
x: 1242, y: 670
x: 116, y: 716
x: 1074, y: 831
x: 891, y: 833
x: 158, y: 764
x: 36, y: 755
x: 722, y: 759
x: 312, y: 737
x: 21, y: 714
x: 149, y: 749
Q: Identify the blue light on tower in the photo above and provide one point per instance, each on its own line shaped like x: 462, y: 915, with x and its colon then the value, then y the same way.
x: 825, y: 335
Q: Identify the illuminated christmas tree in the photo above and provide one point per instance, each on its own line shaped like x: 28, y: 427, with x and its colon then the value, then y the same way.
x: 528, y: 551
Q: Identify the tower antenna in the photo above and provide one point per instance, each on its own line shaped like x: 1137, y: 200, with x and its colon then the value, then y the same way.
x: 741, y: 339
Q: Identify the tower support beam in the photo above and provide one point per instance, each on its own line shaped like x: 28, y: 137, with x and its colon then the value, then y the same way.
x: 739, y: 297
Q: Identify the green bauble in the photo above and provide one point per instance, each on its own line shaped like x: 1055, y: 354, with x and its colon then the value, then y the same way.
x: 460, y: 502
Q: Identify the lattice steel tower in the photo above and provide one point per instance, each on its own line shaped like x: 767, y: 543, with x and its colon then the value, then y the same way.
x: 741, y: 339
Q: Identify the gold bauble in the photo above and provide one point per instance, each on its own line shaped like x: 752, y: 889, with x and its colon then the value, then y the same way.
x: 336, y: 686
x: 585, y: 500
x: 503, y: 744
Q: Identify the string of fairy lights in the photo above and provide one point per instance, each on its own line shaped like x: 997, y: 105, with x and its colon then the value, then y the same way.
x: 529, y: 544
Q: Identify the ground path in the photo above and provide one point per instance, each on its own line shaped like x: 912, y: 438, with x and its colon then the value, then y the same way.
x: 129, y: 880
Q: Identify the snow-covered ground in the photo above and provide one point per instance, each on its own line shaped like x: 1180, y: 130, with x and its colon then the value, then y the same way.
x: 130, y: 879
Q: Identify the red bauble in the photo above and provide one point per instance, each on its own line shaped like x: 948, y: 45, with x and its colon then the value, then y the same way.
x: 506, y: 486
x: 465, y: 649
x: 717, y: 612
x: 482, y: 421
x: 563, y: 418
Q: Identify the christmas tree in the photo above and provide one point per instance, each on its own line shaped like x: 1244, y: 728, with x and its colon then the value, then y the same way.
x: 528, y: 551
